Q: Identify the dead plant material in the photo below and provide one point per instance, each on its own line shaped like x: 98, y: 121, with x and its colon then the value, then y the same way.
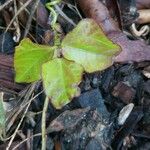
x: 146, y: 72
x: 96, y: 10
x: 144, y: 16
x: 7, y: 74
x: 143, y: 4
x: 142, y: 32
x: 34, y: 7
x: 124, y: 92
x: 6, y: 60
x: 5, y: 4
x: 17, y: 33
x: 42, y: 16
x: 6, y: 16
x: 128, y: 12
x: 134, y: 51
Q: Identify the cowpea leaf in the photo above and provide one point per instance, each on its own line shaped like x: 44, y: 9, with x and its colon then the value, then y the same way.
x: 61, y: 78
x: 89, y: 46
x: 28, y: 60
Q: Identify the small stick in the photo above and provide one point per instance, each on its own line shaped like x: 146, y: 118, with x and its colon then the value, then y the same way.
x: 5, y: 4
x: 13, y: 19
x: 11, y: 140
x: 24, y: 114
x: 17, y: 35
x: 35, y: 135
x: 64, y: 15
x: 30, y: 17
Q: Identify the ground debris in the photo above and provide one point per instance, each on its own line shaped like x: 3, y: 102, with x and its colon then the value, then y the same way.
x: 124, y: 91
x: 81, y: 128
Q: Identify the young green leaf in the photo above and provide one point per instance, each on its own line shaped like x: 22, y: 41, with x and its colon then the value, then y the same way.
x: 89, y: 46
x: 61, y: 78
x: 28, y: 60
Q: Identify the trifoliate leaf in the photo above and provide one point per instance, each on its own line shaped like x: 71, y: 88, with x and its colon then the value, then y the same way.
x: 89, y: 46
x: 28, y: 60
x: 61, y: 78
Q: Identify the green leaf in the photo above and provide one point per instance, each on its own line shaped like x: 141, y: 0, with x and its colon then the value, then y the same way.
x: 61, y: 78
x: 28, y: 60
x: 89, y: 46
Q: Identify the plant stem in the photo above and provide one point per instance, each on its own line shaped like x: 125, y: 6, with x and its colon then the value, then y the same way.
x: 43, y: 126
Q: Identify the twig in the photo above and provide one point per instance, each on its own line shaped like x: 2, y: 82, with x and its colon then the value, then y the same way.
x: 16, y: 130
x: 14, y: 134
x: 18, y: 12
x: 17, y: 36
x: 5, y: 4
x: 75, y: 9
x: 64, y: 15
x: 35, y: 135
x: 44, y: 123
x: 13, y: 19
x: 30, y: 35
x: 30, y: 17
x: 20, y: 110
x: 4, y: 28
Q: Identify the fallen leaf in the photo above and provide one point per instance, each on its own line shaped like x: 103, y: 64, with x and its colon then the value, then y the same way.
x: 132, y: 51
x: 28, y: 60
x: 87, y: 45
x: 143, y: 4
x: 61, y: 78
x: 98, y: 11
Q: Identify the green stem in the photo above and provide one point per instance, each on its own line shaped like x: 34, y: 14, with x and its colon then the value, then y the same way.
x: 43, y: 126
x: 50, y: 7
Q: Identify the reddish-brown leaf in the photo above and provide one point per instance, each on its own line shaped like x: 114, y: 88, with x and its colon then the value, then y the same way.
x: 135, y: 51
x: 143, y: 4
